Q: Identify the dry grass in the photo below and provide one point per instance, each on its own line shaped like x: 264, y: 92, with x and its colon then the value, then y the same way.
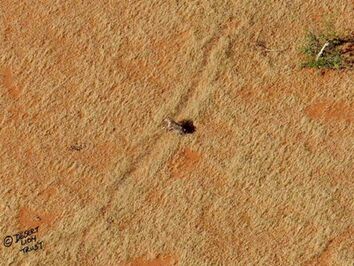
x: 266, y: 179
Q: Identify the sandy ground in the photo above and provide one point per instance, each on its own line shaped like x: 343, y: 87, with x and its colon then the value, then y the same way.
x: 266, y: 179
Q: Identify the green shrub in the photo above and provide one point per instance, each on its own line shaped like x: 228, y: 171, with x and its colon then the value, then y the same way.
x: 330, y: 58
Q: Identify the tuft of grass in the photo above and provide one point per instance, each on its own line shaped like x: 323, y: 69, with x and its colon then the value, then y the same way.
x: 331, y: 58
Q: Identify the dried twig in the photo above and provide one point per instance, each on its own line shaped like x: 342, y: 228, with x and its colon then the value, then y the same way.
x: 264, y: 48
x: 322, y: 50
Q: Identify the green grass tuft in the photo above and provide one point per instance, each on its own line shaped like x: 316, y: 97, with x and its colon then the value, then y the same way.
x: 331, y: 58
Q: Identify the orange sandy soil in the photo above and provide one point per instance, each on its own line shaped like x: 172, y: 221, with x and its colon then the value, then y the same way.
x: 267, y: 178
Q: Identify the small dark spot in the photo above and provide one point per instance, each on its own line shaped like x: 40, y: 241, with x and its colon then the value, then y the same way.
x: 114, y: 129
x: 77, y: 147
x: 187, y: 126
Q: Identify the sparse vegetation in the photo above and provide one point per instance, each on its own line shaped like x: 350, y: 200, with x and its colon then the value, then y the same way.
x: 328, y: 50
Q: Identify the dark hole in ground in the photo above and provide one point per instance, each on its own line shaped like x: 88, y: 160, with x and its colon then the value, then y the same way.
x: 187, y: 126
